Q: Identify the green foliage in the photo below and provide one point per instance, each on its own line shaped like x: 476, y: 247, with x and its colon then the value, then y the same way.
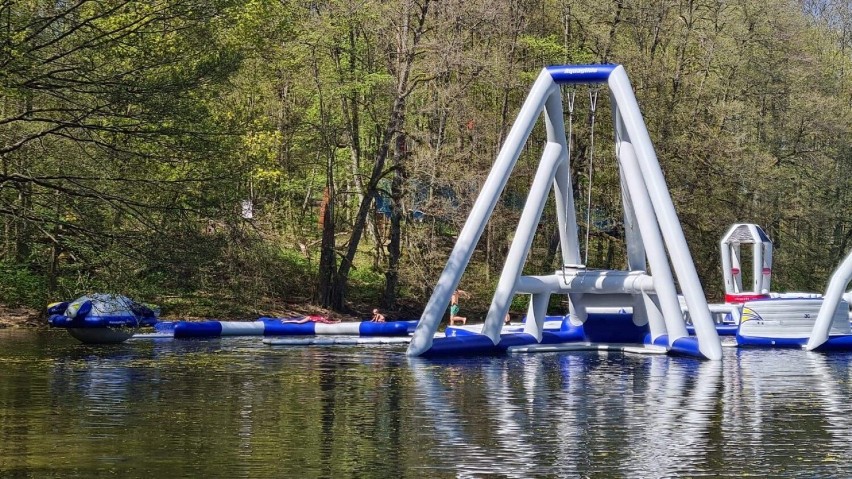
x: 130, y: 133
x: 520, y: 304
x: 366, y: 286
x: 21, y: 287
x: 545, y: 50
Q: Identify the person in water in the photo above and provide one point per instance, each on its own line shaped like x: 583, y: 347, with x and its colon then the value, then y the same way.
x: 454, y: 307
x: 378, y: 317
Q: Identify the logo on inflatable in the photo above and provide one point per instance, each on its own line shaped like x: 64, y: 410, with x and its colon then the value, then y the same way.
x: 749, y: 315
x: 580, y: 71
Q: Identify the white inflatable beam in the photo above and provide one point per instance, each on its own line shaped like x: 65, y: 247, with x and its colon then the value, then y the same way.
x: 831, y: 301
x: 655, y: 184
x: 667, y: 293
x: 469, y: 236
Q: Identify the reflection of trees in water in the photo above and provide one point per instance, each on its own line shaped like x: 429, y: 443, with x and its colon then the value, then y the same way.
x: 229, y: 405
x: 344, y: 412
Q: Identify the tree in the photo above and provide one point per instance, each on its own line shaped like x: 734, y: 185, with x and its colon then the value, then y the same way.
x: 412, y: 26
x: 105, y: 122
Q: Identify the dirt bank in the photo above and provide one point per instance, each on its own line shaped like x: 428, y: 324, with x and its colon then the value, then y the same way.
x: 20, y: 318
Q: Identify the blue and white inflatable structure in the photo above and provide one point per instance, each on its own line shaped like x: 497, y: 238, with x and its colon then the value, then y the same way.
x: 759, y: 317
x: 799, y: 320
x: 101, y: 318
x: 551, y: 323
x: 284, y: 327
x: 653, y: 235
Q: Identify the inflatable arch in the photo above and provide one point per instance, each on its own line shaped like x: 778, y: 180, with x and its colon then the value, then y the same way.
x: 761, y: 275
x: 651, y: 224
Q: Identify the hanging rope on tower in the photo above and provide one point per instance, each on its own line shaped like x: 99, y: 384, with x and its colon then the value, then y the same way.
x: 571, y: 95
x: 593, y: 103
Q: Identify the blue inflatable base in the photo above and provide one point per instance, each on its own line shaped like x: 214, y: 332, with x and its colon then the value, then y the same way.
x: 388, y: 328
x: 686, y: 346
x: 119, y: 321
x: 481, y: 345
x: 197, y: 329
x: 412, y: 324
x: 836, y: 343
x: 598, y: 328
x: 280, y: 327
x: 833, y: 343
x: 760, y: 342
x: 518, y: 328
x: 611, y: 328
x: 721, y: 329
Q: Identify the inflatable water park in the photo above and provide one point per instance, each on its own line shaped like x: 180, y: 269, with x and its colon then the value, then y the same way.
x: 649, y: 311
x: 638, y: 309
x: 759, y: 317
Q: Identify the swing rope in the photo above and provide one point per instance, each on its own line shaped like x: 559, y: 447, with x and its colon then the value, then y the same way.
x: 593, y: 103
x: 571, y: 95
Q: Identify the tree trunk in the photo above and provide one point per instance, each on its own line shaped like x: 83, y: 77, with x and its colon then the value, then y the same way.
x: 325, y: 289
x: 394, y: 251
x: 23, y: 230
x: 327, y: 254
x: 394, y: 125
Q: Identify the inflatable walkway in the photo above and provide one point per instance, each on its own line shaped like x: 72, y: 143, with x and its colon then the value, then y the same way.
x: 285, y: 327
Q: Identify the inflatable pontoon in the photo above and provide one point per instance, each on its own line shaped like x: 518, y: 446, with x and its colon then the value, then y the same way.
x: 302, y: 326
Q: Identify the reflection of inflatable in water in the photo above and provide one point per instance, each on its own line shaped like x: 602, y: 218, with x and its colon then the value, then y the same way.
x: 800, y: 385
x: 101, y: 318
x: 565, y: 407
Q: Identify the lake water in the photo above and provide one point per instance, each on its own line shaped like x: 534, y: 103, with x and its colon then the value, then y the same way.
x: 234, y: 407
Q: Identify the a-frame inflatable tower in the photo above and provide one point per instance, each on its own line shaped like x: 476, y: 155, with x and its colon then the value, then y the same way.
x: 651, y: 228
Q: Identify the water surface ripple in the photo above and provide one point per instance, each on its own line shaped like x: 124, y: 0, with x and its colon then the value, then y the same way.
x: 234, y: 407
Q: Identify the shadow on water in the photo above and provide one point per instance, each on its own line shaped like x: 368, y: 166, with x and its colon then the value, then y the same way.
x: 233, y: 407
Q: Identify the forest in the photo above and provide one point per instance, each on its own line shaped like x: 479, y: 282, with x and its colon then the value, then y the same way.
x: 233, y: 157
